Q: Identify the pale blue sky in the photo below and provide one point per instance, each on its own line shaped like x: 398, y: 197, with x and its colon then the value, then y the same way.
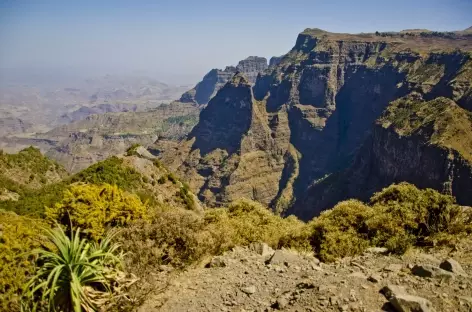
x: 179, y: 41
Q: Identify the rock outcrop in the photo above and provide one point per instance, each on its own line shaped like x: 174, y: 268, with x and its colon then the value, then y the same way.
x: 315, y: 113
x: 206, y: 89
x: 252, y: 66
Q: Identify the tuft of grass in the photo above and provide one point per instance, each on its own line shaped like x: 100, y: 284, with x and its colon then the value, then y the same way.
x: 75, y: 274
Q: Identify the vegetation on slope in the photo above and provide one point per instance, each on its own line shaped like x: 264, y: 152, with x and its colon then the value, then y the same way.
x: 441, y: 121
x: 109, y: 195
x: 30, y: 168
x: 180, y: 237
x: 33, y: 202
x: 18, y: 237
x: 111, y: 171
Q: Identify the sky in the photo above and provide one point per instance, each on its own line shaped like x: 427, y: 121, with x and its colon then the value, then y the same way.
x: 179, y: 41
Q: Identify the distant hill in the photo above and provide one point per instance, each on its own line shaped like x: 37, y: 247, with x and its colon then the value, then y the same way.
x: 30, y: 181
x: 48, y: 104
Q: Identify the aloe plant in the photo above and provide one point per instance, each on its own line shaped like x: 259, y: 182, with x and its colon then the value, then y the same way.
x: 75, y: 275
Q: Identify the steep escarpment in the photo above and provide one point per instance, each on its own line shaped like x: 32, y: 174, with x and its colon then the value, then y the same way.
x: 217, y: 78
x: 233, y: 152
x: 427, y: 143
x: 314, y: 109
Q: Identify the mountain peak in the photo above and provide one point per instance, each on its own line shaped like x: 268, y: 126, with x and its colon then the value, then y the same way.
x: 206, y: 89
x: 239, y: 79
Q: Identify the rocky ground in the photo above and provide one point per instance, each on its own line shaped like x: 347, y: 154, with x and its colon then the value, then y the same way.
x: 260, y: 279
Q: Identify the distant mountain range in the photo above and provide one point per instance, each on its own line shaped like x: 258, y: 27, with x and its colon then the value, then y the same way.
x: 45, y: 105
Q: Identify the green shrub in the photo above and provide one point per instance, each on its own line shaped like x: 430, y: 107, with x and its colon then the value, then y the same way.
x: 157, y: 163
x: 19, y: 235
x: 400, y: 216
x: 180, y: 237
x: 186, y: 196
x: 132, y: 150
x: 172, y: 236
x: 406, y: 216
x: 341, y: 231
x: 162, y: 179
x: 96, y: 207
x: 245, y: 222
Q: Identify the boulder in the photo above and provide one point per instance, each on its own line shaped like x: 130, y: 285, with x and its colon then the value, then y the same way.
x: 403, y: 302
x: 249, y: 290
x: 143, y: 152
x: 377, y: 250
x: 261, y: 249
x: 427, y: 270
x: 453, y: 266
x: 283, y: 257
x: 217, y: 262
x: 390, y: 291
x: 409, y: 303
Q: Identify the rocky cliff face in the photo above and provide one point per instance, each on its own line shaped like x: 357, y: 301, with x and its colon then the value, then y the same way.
x: 217, y: 78
x: 252, y: 66
x: 427, y: 143
x: 308, y: 116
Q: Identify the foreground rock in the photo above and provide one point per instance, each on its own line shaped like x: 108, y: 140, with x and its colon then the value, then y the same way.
x: 403, y: 302
x: 408, y: 303
x: 453, y: 266
x: 431, y: 271
x: 290, y: 281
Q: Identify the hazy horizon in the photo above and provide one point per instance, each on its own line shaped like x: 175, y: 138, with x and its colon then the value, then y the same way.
x: 178, y: 42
